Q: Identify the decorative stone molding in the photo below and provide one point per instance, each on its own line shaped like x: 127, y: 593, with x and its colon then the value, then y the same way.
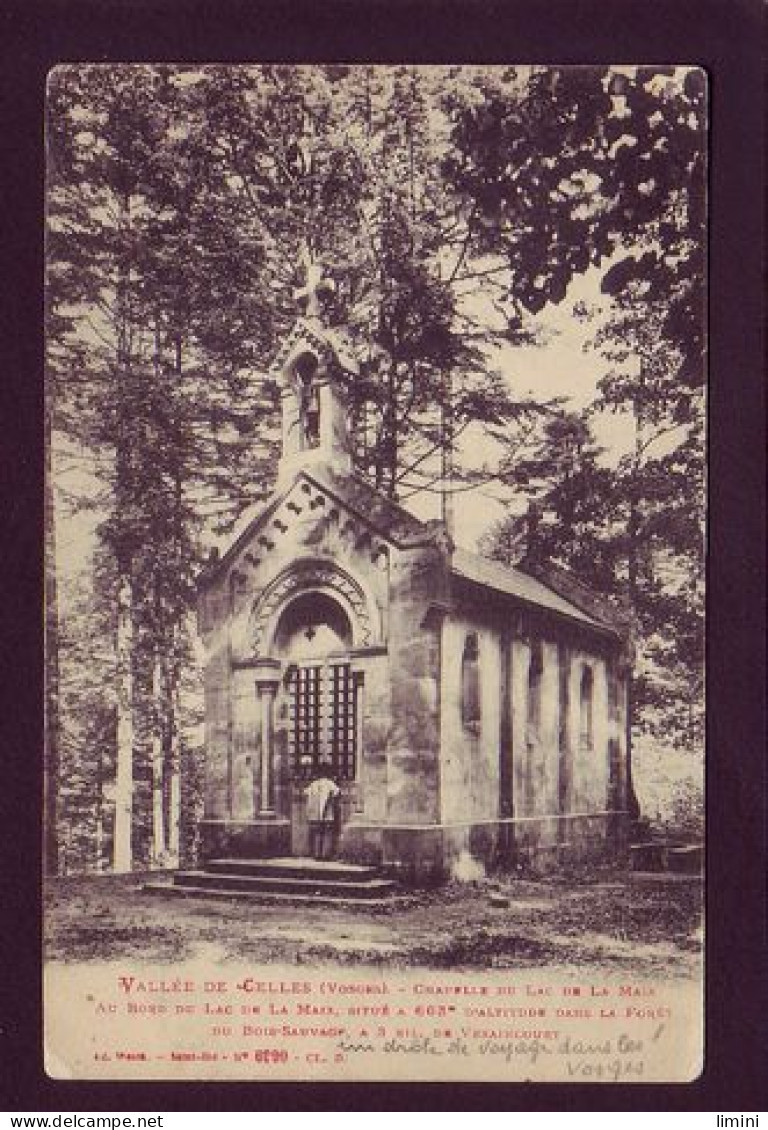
x: 332, y: 350
x: 305, y: 576
x: 303, y: 338
x: 266, y: 673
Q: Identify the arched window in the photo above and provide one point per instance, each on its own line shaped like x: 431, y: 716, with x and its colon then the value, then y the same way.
x: 312, y: 626
x: 535, y: 672
x: 470, y: 683
x: 305, y: 371
x: 585, y: 707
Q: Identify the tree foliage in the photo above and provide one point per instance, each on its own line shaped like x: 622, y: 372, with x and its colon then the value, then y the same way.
x: 620, y: 168
x: 450, y: 208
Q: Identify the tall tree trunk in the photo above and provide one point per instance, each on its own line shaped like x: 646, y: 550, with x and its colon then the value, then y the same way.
x: 158, y: 764
x: 52, y: 721
x: 98, y: 810
x: 446, y: 494
x: 173, y: 665
x: 99, y: 836
x: 174, y: 760
x: 124, y: 489
x: 123, y: 851
x: 633, y: 530
x: 633, y: 561
x: 391, y: 433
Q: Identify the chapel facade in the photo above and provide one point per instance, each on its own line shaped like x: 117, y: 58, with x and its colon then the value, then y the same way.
x: 461, y: 706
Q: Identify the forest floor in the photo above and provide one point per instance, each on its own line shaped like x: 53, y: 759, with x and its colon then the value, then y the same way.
x: 649, y: 925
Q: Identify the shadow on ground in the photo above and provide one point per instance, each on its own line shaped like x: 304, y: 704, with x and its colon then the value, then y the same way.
x: 649, y: 927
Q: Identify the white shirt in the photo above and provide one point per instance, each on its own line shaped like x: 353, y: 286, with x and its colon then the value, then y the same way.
x: 319, y: 795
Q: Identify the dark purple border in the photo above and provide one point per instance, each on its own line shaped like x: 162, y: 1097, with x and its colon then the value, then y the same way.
x: 724, y: 36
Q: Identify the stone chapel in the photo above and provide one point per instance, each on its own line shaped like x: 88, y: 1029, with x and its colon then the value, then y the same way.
x: 461, y: 705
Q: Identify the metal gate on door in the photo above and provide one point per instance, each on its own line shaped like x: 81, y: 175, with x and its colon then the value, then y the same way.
x: 323, y: 721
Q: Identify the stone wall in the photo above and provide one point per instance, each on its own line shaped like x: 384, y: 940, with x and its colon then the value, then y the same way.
x: 521, y: 788
x: 217, y: 726
x: 374, y: 741
x: 469, y: 767
x: 506, y: 786
x: 305, y: 534
x: 399, y: 824
x: 561, y: 773
x: 413, y: 780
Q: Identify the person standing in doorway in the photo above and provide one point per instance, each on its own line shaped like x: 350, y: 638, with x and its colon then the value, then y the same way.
x: 322, y: 815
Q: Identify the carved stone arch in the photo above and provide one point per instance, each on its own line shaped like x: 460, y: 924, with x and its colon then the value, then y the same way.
x: 302, y: 343
x: 307, y: 576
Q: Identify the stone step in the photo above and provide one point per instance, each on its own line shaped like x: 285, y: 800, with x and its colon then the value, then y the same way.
x: 670, y: 878
x: 648, y: 856
x: 293, y: 868
x: 266, y: 898
x: 657, y: 855
x: 688, y: 860
x: 367, y: 888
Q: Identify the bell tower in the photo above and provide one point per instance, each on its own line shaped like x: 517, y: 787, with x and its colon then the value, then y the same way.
x: 314, y: 368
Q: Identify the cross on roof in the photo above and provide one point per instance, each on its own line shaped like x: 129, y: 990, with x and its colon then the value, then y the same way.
x: 314, y: 286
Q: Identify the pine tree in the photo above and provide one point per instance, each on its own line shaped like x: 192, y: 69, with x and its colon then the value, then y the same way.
x: 120, y: 318
x: 660, y: 492
x: 449, y: 207
x: 343, y: 165
x: 624, y: 194
x: 571, y: 516
x: 101, y: 273
x: 88, y: 716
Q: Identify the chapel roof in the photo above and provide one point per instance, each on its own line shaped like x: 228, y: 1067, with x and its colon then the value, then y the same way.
x: 511, y: 581
x: 564, y: 596
x: 391, y: 520
x: 386, y: 516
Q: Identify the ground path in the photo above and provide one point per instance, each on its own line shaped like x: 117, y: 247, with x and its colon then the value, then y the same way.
x: 648, y: 927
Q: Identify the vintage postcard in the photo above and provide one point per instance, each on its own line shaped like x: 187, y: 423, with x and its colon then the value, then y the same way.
x: 375, y: 572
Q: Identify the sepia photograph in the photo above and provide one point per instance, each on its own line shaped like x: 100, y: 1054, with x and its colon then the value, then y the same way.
x: 375, y: 515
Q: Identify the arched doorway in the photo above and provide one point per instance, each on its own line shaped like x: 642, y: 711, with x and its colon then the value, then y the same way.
x: 313, y: 638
